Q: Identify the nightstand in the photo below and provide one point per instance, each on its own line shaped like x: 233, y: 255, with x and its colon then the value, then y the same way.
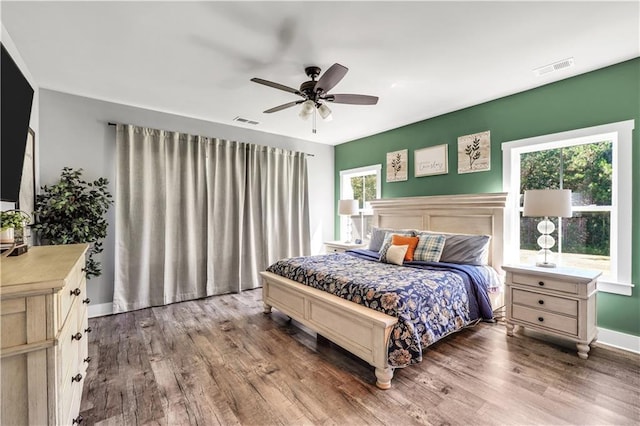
x: 557, y: 301
x: 341, y: 247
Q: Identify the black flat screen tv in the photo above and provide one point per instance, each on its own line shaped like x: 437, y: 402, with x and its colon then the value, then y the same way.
x: 15, y: 111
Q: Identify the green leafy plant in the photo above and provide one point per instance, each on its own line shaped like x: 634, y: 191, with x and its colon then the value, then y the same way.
x: 13, y: 219
x: 73, y: 211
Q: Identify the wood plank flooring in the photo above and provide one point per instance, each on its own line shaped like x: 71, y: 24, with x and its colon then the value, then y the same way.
x: 221, y: 361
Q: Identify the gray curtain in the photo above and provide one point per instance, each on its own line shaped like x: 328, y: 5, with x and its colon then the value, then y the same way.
x: 200, y: 216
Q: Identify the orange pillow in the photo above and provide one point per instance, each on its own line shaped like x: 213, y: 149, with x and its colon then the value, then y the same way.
x: 412, y: 242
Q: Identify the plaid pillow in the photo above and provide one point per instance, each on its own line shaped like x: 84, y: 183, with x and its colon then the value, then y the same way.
x: 429, y: 247
x: 387, y: 243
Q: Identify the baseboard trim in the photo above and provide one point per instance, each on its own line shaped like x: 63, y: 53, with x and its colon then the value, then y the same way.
x: 100, y: 310
x: 627, y: 342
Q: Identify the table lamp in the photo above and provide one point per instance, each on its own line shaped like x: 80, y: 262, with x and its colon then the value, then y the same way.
x: 348, y: 208
x: 545, y: 203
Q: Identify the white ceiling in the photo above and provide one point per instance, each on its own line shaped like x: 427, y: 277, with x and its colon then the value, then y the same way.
x: 422, y: 59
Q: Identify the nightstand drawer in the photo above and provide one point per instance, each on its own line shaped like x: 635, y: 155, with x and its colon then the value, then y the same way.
x: 546, y: 319
x: 542, y: 301
x: 545, y: 283
x: 334, y: 250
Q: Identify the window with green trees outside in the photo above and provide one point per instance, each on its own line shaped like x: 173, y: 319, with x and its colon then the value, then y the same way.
x: 362, y: 184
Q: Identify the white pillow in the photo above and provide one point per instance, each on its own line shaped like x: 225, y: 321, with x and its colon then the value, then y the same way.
x: 395, y: 254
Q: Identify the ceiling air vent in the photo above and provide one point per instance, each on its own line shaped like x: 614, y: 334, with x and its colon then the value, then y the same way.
x: 556, y: 66
x: 244, y: 120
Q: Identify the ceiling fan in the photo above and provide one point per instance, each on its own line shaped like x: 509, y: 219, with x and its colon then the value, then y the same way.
x: 315, y: 93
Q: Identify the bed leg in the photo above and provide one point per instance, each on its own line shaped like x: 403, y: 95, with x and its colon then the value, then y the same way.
x: 266, y: 308
x: 384, y: 376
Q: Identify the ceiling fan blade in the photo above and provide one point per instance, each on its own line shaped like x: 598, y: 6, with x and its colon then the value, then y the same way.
x: 352, y: 99
x: 277, y: 86
x: 331, y: 77
x: 283, y: 106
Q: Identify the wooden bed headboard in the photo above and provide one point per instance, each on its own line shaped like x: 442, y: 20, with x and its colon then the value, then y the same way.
x: 465, y: 214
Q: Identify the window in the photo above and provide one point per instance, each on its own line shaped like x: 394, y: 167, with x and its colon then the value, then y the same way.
x: 362, y: 184
x: 595, y: 163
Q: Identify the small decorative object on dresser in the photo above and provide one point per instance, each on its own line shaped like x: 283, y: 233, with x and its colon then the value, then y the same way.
x: 560, y: 301
x: 340, y: 247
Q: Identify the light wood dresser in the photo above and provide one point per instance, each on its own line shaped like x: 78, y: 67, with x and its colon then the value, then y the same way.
x: 43, y: 342
x: 556, y: 301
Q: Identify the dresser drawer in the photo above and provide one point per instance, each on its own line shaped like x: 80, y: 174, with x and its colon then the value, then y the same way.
x: 545, y: 283
x: 545, y: 319
x: 69, y: 401
x: 74, y: 289
x: 68, y: 349
x: 558, y: 305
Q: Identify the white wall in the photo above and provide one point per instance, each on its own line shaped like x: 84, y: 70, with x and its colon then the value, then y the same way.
x: 33, y: 121
x: 74, y: 132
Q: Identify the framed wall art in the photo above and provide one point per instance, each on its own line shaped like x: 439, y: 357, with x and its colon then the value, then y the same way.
x: 397, y: 166
x: 431, y: 161
x: 474, y: 152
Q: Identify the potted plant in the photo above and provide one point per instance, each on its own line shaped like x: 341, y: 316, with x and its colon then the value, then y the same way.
x: 12, y: 222
x: 73, y: 211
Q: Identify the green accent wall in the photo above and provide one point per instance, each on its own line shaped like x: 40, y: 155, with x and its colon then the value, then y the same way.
x: 599, y: 97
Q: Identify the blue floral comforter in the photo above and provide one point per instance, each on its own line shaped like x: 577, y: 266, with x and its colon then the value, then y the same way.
x: 430, y: 300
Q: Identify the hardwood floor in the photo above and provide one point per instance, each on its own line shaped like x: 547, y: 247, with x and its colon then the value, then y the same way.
x: 222, y: 361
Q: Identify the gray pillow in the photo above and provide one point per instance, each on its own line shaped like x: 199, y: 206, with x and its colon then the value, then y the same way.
x: 464, y: 248
x: 378, y: 234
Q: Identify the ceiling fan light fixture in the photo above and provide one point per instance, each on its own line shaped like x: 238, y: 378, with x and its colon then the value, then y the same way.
x: 307, y: 109
x: 325, y: 112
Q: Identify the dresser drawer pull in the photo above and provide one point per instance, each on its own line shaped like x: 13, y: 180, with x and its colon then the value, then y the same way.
x: 541, y: 283
x: 539, y: 301
x: 87, y: 301
x: 76, y: 336
x: 76, y: 292
x: 78, y: 420
x: 88, y: 330
x: 87, y: 359
x: 76, y: 378
x: 540, y: 319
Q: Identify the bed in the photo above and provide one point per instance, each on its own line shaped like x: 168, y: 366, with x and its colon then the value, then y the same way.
x: 374, y: 335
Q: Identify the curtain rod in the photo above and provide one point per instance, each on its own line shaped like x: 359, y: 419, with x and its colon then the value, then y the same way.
x: 305, y: 153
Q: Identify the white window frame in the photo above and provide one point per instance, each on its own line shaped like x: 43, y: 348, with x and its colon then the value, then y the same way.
x: 351, y: 173
x: 620, y: 135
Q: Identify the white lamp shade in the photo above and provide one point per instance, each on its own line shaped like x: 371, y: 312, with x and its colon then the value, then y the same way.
x: 307, y: 109
x: 325, y: 112
x: 348, y: 207
x: 547, y: 202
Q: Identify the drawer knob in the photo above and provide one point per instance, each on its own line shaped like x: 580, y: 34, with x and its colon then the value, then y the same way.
x: 76, y: 378
x: 541, y: 283
x: 87, y: 359
x: 540, y: 319
x: 87, y: 301
x: 78, y: 420
x: 539, y: 301
x: 75, y: 292
x: 88, y: 330
x: 76, y: 336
